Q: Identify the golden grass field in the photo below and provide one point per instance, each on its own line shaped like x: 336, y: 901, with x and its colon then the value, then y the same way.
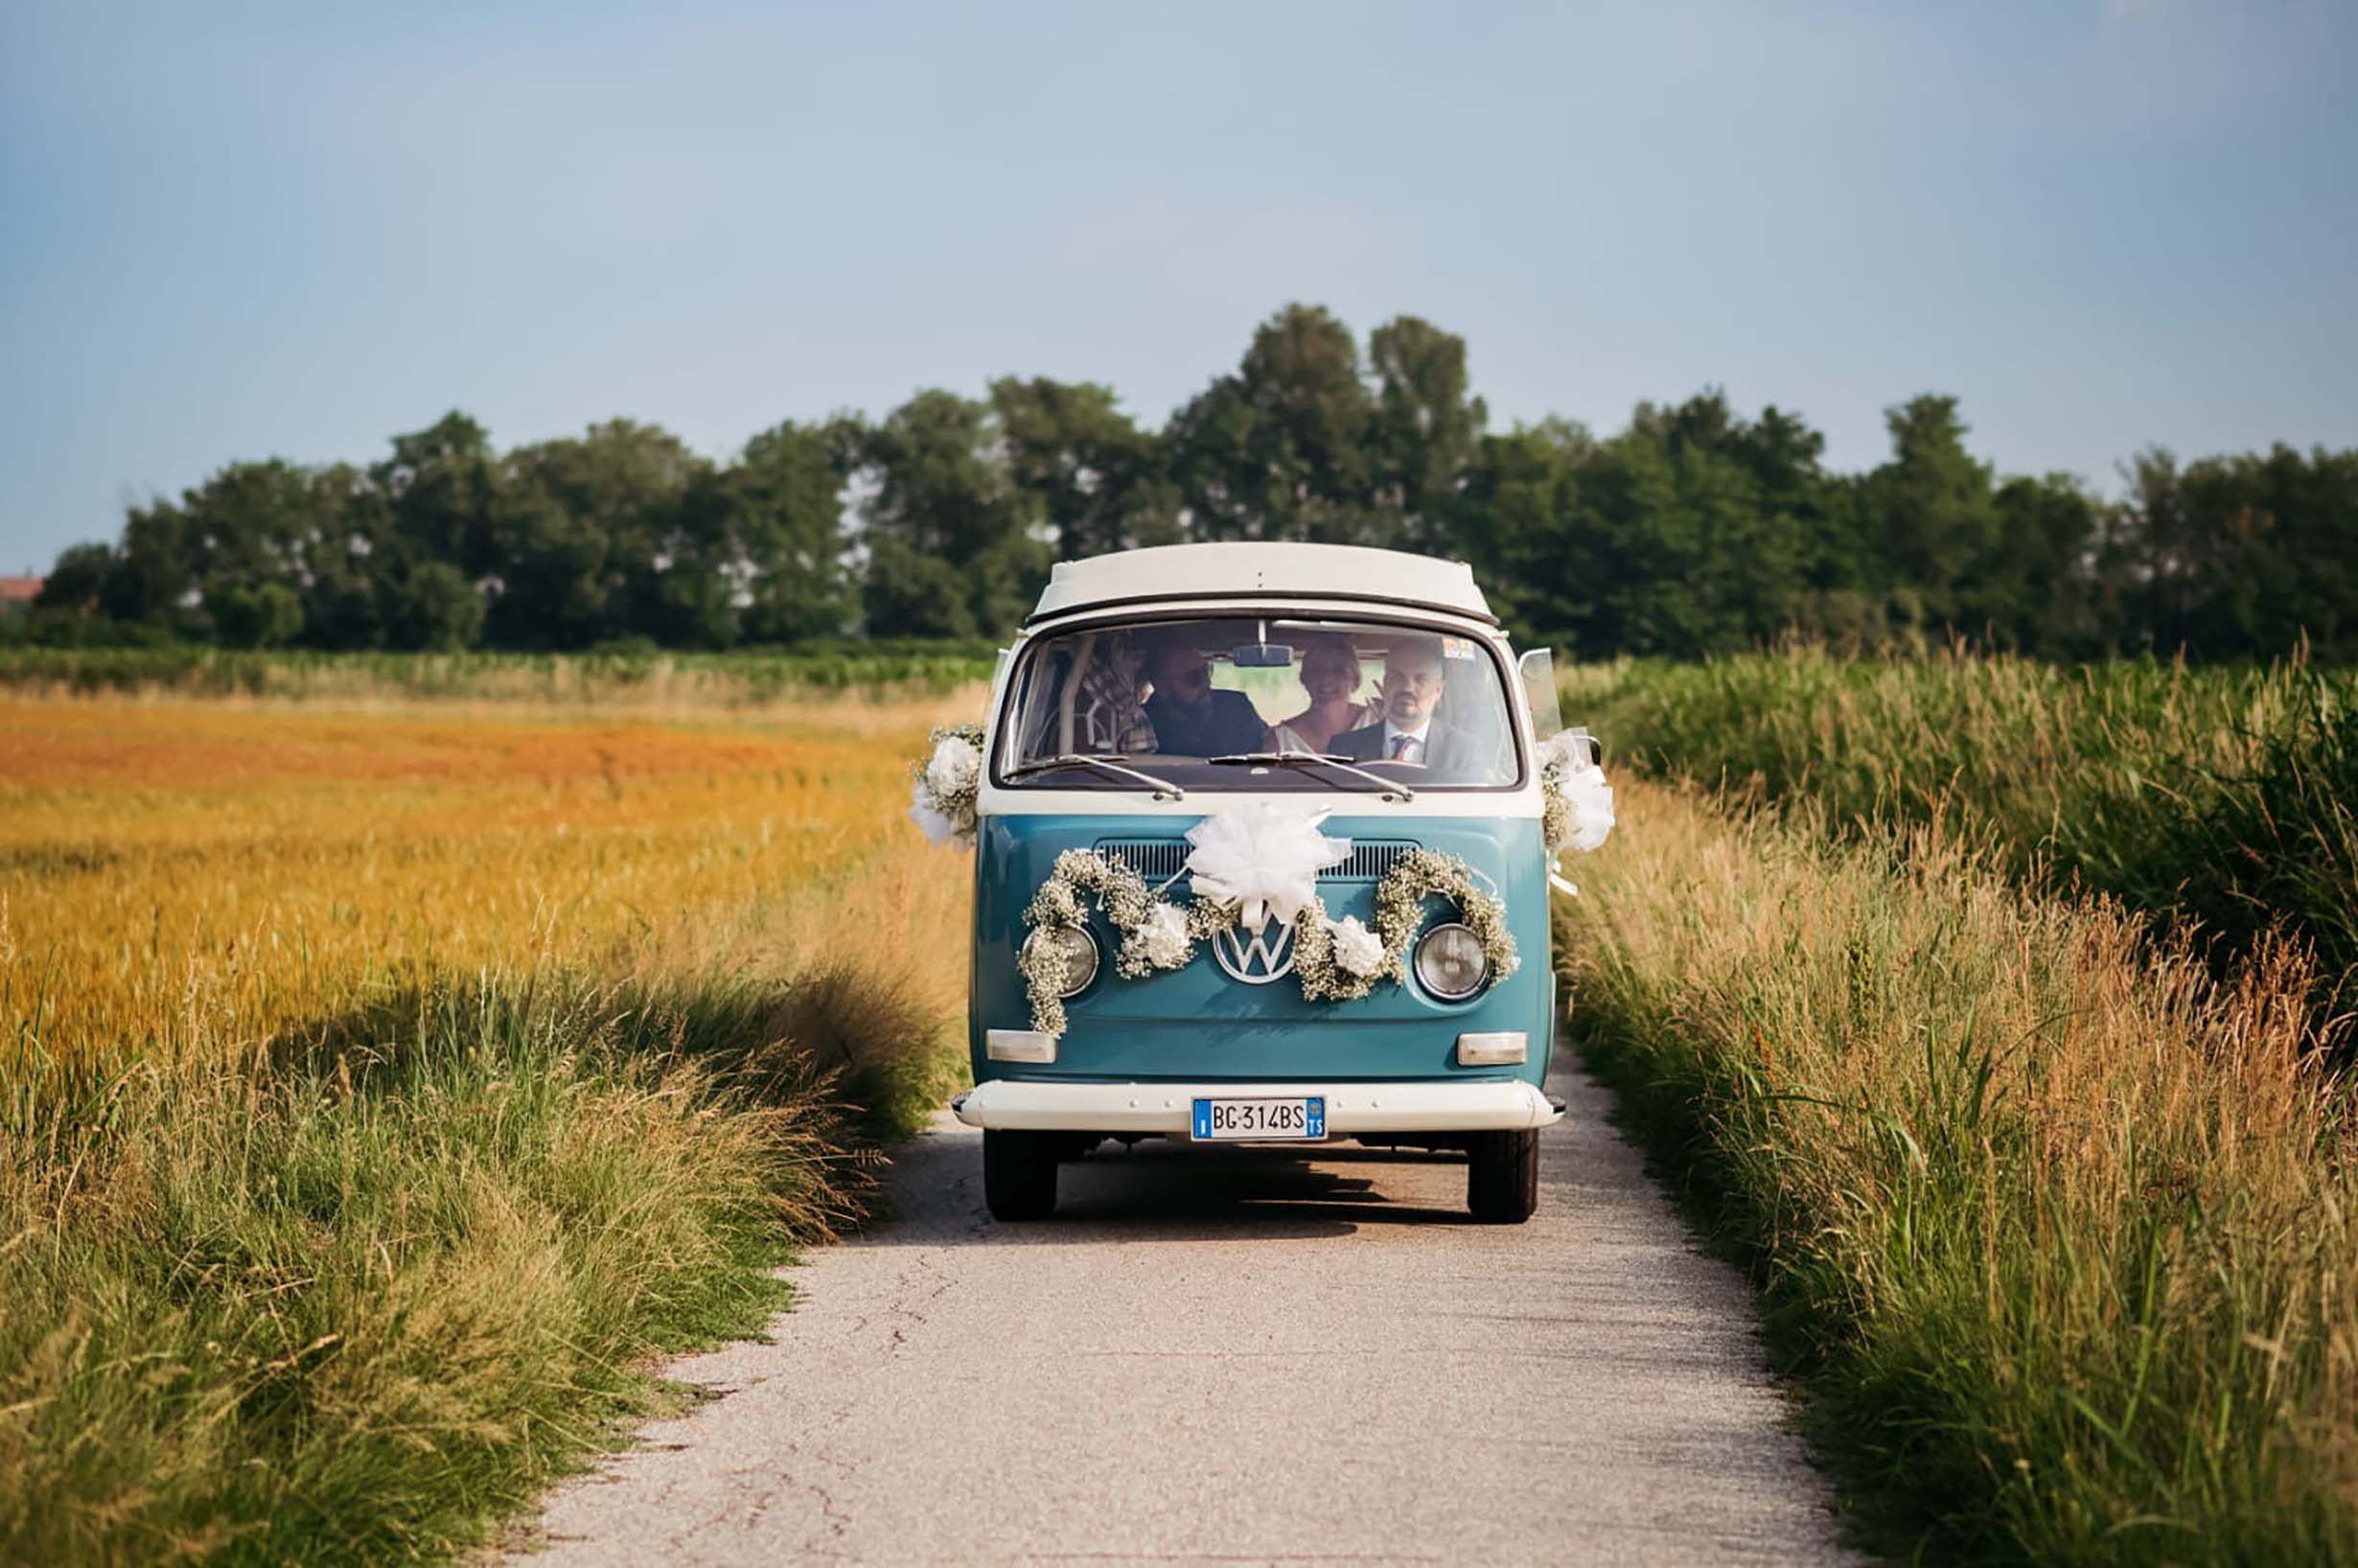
x: 173, y: 871
x: 383, y: 1084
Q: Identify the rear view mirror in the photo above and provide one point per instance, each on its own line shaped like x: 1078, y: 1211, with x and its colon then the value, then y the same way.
x: 1261, y: 656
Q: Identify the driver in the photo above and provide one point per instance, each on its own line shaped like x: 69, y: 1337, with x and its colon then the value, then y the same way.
x: 1415, y: 675
x: 1190, y: 719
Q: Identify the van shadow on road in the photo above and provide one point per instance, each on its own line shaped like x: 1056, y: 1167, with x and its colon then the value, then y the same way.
x: 1157, y: 1190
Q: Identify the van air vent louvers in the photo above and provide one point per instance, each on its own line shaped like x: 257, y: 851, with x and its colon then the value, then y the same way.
x: 1159, y: 860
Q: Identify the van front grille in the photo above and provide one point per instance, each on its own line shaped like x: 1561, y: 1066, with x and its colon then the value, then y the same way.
x: 1159, y: 860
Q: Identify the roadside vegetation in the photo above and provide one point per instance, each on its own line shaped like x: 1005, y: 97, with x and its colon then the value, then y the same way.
x: 2056, y: 1226
x: 633, y: 676
x: 383, y: 1086
x: 1996, y: 1013
x: 2219, y: 798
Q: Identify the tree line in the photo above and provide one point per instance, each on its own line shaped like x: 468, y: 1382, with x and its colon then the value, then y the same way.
x: 1693, y: 530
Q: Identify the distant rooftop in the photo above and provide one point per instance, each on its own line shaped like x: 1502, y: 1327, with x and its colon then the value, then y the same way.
x: 19, y: 590
x: 1187, y: 572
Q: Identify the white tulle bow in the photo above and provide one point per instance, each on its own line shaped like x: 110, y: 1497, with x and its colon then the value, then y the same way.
x: 1264, y: 858
x: 939, y: 827
x: 1565, y: 761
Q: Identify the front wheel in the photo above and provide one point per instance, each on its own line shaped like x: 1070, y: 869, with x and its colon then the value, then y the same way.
x: 1502, y: 1176
x: 1019, y: 1173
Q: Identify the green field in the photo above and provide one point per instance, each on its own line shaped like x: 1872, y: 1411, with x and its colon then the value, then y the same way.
x: 2220, y: 799
x: 636, y: 675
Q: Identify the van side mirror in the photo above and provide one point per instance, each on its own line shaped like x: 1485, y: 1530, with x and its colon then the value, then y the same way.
x: 1537, y: 668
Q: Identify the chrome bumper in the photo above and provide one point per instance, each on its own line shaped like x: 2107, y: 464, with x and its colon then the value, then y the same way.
x: 1412, y: 1106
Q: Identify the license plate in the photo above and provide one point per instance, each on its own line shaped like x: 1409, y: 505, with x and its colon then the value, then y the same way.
x: 1260, y: 1119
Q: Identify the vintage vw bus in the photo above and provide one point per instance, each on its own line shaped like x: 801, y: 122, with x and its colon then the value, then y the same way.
x: 1252, y: 699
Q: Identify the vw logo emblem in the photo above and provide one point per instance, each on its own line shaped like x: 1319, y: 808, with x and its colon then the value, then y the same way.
x: 1255, y: 958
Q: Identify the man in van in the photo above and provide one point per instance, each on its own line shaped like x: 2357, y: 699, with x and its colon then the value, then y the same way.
x: 1415, y: 676
x: 1191, y: 719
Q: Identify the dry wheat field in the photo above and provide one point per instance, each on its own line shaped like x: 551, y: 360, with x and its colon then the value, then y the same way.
x: 180, y: 871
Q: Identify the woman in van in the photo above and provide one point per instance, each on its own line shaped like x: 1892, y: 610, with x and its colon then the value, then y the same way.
x: 1331, y: 676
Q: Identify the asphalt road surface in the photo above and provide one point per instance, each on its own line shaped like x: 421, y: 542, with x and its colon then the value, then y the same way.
x: 1224, y: 1355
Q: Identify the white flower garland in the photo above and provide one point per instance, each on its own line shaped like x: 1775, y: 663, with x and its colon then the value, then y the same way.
x: 946, y: 784
x: 1331, y: 958
x: 1334, y: 960
x: 1155, y: 933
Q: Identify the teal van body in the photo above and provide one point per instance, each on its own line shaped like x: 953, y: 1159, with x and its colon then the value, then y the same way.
x: 1195, y: 1024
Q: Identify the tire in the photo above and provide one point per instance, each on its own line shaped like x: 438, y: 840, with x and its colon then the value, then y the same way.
x: 1502, y: 1176
x: 1019, y: 1175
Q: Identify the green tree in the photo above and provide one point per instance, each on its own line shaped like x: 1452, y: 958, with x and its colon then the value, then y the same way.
x: 151, y: 578
x: 955, y: 547
x: 1515, y: 523
x: 620, y: 486
x: 78, y: 579
x: 1281, y: 449
x: 247, y: 614
x: 2035, y: 588
x: 438, y: 488
x: 431, y: 607
x: 1931, y: 507
x: 550, y: 582
x: 1425, y: 431
x: 758, y: 551
x: 1098, y: 478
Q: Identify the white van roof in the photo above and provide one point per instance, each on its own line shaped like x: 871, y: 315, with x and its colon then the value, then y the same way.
x: 1255, y: 570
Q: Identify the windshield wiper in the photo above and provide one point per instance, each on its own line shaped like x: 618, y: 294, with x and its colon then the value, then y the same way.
x: 1162, y: 788
x: 1389, y: 788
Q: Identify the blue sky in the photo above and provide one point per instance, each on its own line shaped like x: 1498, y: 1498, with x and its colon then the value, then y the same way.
x: 238, y: 231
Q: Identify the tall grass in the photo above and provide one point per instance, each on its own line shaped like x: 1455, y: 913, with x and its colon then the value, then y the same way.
x: 2220, y: 798
x: 356, y: 1300
x: 2058, y: 1227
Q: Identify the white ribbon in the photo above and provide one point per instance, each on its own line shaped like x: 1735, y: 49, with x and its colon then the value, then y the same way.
x: 1264, y: 858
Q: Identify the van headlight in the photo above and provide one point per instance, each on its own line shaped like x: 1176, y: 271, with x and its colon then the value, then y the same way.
x: 1450, y: 962
x: 1080, y: 955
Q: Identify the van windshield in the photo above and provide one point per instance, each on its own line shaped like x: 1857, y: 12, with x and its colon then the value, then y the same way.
x: 1185, y: 701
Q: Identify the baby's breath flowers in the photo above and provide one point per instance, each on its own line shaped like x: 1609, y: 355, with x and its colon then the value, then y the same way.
x: 1331, y: 956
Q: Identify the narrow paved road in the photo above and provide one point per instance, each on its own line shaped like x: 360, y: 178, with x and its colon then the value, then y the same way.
x: 1225, y: 1357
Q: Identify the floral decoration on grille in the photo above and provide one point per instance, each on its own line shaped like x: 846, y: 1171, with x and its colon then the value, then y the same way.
x: 1334, y: 960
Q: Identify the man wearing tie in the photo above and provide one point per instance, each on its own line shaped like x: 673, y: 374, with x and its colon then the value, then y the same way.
x: 1414, y: 674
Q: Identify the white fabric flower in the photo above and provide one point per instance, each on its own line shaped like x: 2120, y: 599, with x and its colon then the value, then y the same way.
x: 1162, y: 935
x: 939, y: 829
x: 1592, y: 806
x: 1264, y: 858
x: 1566, y: 771
x: 954, y: 768
x: 1357, y: 950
